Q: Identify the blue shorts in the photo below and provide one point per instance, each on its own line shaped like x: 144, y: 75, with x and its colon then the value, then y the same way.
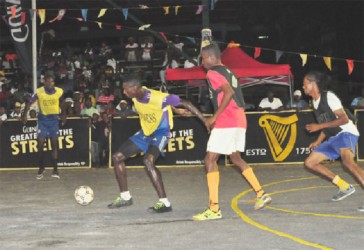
x: 331, y: 147
x: 48, y: 128
x: 156, y: 139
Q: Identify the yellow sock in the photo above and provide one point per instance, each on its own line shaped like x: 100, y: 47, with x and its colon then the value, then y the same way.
x: 253, y: 181
x: 343, y: 185
x: 213, y: 179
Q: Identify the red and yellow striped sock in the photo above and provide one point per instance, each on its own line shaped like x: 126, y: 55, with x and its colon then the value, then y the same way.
x: 343, y: 185
x: 253, y: 181
x: 213, y: 179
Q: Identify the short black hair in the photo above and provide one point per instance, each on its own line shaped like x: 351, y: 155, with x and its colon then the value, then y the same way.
x: 133, y: 80
x: 320, y: 78
x: 213, y: 49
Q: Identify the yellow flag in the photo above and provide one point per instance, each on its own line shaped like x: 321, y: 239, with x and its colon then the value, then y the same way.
x: 304, y: 59
x: 101, y: 13
x: 42, y: 13
x: 327, y: 61
x: 166, y: 10
x: 143, y: 27
x: 99, y: 24
x: 176, y: 8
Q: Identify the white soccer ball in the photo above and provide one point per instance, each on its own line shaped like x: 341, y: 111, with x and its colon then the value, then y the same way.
x: 84, y: 195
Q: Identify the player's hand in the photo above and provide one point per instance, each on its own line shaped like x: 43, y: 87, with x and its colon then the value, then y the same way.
x: 313, y: 145
x: 313, y: 127
x: 210, y: 122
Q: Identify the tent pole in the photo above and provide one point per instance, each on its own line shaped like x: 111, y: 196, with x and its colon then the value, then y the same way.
x: 34, y: 45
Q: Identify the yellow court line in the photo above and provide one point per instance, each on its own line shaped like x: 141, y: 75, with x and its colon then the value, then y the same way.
x: 244, y: 217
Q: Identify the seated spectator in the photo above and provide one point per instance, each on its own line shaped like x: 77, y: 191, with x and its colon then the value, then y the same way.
x: 124, y: 109
x: 270, y: 103
x: 5, y: 95
x: 32, y: 114
x: 170, y: 62
x: 178, y: 44
x: 297, y: 103
x: 69, y: 107
x: 358, y: 102
x: 34, y: 106
x: 89, y: 110
x: 16, y: 113
x: 3, y: 116
x: 131, y: 50
x: 147, y: 48
x: 105, y: 98
x: 88, y: 95
x: 110, y: 109
x: 77, y: 103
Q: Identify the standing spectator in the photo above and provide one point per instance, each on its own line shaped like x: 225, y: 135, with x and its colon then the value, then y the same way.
x: 170, y: 62
x: 105, y: 51
x: 105, y: 98
x: 270, y: 103
x: 103, y: 128
x: 110, y: 109
x: 147, y: 48
x: 5, y: 95
x: 95, y: 150
x: 297, y: 103
x: 124, y: 109
x: 88, y: 95
x: 358, y: 102
x: 131, y: 50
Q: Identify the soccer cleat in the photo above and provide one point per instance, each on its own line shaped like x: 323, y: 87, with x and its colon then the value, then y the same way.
x: 120, y: 202
x: 208, y: 214
x: 40, y: 174
x: 160, y: 207
x: 262, y: 201
x: 361, y: 208
x: 342, y: 194
x: 55, y: 174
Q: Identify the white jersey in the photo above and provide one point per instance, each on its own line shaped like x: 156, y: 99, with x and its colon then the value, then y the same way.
x: 335, y: 104
x: 265, y: 103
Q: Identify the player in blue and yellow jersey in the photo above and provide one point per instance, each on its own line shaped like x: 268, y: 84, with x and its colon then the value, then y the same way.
x: 49, y: 102
x: 156, y: 119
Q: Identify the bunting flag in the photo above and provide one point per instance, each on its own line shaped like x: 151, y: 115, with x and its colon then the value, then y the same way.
x: 257, y: 52
x: 99, y: 24
x: 79, y: 19
x: 143, y: 7
x: 176, y: 8
x: 84, y: 14
x: 199, y: 10
x: 212, y: 5
x: 166, y: 10
x: 327, y: 61
x: 164, y: 36
x: 232, y: 44
x: 101, y: 13
x: 350, y: 66
x: 143, y: 27
x: 118, y: 27
x: 59, y: 17
x: 192, y: 39
x: 31, y: 12
x: 125, y: 13
x: 278, y: 55
x: 13, y: 11
x: 304, y: 59
x: 4, y: 17
x: 42, y: 14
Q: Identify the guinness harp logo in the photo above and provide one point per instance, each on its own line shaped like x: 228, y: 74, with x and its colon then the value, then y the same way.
x: 281, y: 133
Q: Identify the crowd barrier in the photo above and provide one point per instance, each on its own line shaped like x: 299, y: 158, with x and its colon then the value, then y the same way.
x: 274, y: 137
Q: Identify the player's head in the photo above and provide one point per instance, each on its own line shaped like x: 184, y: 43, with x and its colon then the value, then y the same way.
x: 315, y: 81
x: 132, y: 85
x: 211, y: 55
x: 49, y: 82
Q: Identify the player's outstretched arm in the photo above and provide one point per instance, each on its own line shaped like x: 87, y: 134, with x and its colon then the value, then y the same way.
x: 188, y: 105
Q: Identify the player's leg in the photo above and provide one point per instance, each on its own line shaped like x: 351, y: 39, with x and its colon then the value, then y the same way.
x: 156, y: 147
x: 40, y: 148
x: 55, y: 149
x: 127, y: 149
x: 213, y: 180
x: 313, y: 162
x: 263, y: 198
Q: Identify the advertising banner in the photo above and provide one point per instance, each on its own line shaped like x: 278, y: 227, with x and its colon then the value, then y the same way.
x: 187, y: 145
x: 18, y: 144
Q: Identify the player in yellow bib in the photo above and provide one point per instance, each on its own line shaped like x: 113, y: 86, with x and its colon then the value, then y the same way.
x: 156, y: 119
x: 48, y: 98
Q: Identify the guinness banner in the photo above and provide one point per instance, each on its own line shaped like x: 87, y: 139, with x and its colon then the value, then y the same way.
x: 18, y: 144
x: 20, y: 30
x: 187, y: 145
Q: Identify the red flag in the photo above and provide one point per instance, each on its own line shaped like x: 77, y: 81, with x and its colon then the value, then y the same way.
x: 164, y: 36
x: 350, y: 66
x: 118, y: 27
x: 257, y: 52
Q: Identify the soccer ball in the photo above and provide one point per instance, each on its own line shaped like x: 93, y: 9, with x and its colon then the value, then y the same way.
x: 84, y: 195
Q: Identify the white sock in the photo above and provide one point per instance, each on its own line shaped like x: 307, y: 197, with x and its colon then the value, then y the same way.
x: 165, y: 201
x: 125, y: 195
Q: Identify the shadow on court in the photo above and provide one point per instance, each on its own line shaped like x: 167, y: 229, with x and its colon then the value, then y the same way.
x: 43, y: 214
